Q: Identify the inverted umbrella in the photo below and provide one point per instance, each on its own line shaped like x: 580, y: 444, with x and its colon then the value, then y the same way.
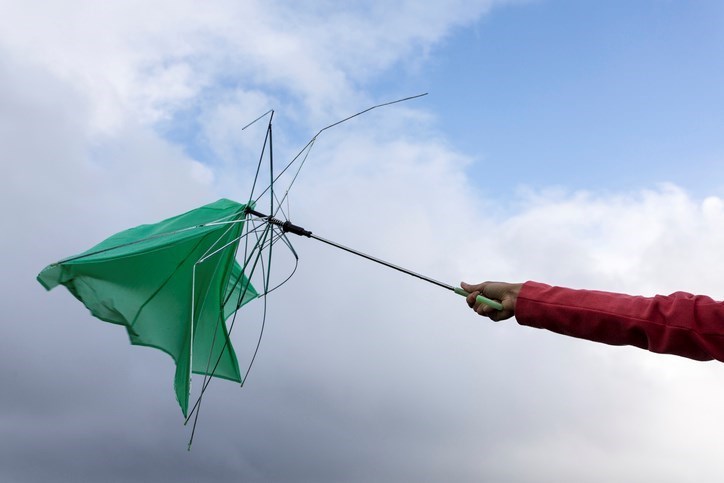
x: 173, y: 284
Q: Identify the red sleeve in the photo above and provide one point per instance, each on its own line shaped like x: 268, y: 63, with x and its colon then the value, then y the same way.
x: 682, y: 324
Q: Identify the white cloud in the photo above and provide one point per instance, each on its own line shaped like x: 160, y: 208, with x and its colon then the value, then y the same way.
x: 145, y: 60
x: 652, y: 241
x: 521, y: 400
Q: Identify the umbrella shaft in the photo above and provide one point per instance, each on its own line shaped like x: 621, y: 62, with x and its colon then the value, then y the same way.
x: 480, y: 298
x: 288, y: 227
x: 382, y: 262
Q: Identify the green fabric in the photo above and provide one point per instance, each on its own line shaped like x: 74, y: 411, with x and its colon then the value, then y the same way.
x: 143, y: 278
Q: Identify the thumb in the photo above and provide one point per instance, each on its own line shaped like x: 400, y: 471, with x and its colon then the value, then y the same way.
x: 472, y: 288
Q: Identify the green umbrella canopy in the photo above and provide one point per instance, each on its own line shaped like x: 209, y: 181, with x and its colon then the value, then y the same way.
x: 172, y: 284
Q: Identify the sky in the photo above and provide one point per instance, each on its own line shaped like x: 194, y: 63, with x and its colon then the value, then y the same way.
x: 567, y: 142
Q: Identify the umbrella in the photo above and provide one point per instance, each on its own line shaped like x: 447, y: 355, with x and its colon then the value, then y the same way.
x: 171, y: 284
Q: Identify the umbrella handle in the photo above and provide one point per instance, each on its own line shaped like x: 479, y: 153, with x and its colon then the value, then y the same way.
x: 483, y: 300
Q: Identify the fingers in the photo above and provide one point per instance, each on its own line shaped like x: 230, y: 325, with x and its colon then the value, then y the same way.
x: 474, y: 291
x: 504, y: 292
x: 470, y: 299
x: 493, y: 314
x: 483, y: 309
x: 480, y: 307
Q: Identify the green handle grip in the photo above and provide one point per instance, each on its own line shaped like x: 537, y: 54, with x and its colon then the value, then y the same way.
x: 483, y: 300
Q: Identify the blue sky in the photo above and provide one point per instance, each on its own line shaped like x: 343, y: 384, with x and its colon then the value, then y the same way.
x: 581, y: 95
x: 570, y: 142
x: 586, y: 95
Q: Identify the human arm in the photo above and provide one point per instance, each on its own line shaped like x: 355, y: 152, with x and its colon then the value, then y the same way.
x: 683, y: 324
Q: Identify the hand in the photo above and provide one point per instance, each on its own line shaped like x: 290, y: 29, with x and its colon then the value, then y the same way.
x: 506, y: 293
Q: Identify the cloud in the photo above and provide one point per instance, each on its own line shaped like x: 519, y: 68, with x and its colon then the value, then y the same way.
x: 145, y: 61
x: 653, y: 241
x: 530, y: 398
x: 364, y: 374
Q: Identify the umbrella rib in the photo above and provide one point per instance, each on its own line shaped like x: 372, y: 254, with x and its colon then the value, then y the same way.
x: 260, y: 244
x: 314, y: 138
x: 308, y: 149
x: 146, y: 239
x: 258, y: 342
x: 207, y: 377
x: 244, y: 290
x: 267, y: 139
